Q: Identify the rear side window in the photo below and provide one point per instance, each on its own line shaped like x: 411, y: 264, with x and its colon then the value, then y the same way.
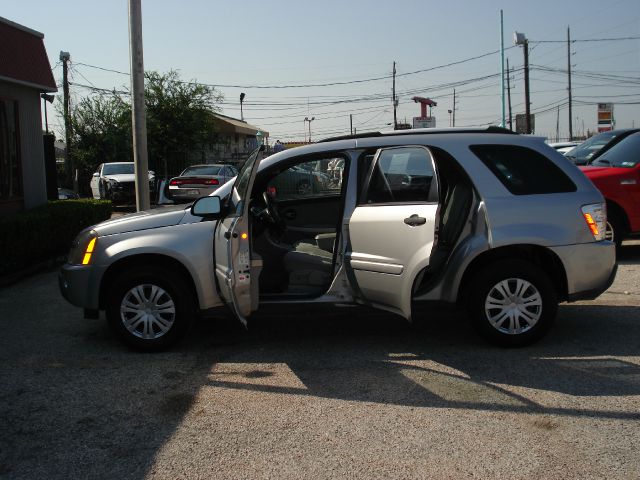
x: 523, y: 171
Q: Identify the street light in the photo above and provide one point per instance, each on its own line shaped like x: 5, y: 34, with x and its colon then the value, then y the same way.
x: 521, y: 39
x: 450, y: 112
x: 46, y: 98
x: 307, y: 119
x: 242, y: 95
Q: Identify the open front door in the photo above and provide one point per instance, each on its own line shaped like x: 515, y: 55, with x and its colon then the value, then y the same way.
x: 236, y: 272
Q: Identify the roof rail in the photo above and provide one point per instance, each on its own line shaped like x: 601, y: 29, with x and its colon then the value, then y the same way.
x: 489, y: 129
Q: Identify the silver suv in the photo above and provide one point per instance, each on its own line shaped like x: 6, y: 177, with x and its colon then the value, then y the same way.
x: 487, y: 219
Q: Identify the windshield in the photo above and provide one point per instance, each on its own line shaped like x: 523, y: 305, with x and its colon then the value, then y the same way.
x: 625, y: 154
x: 241, y: 185
x: 117, y: 168
x: 589, y: 148
x: 202, y: 170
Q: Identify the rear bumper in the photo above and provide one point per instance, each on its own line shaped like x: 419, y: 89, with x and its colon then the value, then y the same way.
x: 590, y: 268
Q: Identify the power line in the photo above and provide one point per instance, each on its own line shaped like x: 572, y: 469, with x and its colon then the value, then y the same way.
x: 615, y: 39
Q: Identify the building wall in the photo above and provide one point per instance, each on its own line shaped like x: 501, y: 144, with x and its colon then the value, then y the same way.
x: 30, y: 140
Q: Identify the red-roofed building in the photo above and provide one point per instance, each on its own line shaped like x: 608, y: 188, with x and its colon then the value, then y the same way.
x: 25, y: 73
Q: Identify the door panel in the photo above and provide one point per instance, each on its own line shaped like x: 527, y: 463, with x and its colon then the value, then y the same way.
x: 392, y: 230
x: 386, y: 253
x: 237, y: 272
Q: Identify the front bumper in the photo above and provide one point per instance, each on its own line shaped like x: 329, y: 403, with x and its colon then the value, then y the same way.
x: 78, y: 285
x: 590, y: 268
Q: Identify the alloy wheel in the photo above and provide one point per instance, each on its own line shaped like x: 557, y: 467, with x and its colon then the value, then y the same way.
x: 513, y: 306
x: 147, y: 311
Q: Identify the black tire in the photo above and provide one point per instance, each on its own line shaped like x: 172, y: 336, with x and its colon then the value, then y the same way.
x: 532, y: 306
x: 158, y: 328
x: 615, y: 230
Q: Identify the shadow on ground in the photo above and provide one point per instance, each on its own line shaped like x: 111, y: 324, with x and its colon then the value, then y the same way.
x: 74, y: 403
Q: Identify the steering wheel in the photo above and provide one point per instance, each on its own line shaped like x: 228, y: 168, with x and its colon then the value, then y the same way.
x: 270, y: 212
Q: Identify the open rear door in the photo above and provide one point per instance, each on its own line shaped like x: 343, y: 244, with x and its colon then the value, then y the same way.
x: 236, y: 272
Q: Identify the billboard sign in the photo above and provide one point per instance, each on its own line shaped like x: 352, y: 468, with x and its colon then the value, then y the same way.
x: 521, y: 123
x: 424, y: 122
x: 605, y: 117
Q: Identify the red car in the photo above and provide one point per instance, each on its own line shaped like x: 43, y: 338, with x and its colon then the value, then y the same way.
x: 616, y: 173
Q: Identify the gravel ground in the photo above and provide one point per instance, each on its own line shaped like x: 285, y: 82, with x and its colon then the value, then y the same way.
x: 356, y: 394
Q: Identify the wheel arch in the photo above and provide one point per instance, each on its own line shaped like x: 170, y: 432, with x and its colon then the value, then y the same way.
x: 157, y: 260
x: 540, y: 256
x: 614, y: 210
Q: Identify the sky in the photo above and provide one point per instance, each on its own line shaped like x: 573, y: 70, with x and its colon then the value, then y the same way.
x: 300, y: 47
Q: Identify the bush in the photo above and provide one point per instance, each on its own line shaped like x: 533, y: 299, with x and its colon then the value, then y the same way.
x: 46, y: 232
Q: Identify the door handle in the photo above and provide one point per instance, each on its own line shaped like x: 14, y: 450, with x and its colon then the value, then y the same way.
x: 290, y: 214
x: 415, y: 220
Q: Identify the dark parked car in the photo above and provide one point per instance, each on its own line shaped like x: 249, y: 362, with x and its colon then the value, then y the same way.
x: 299, y: 180
x: 199, y: 180
x: 589, y: 150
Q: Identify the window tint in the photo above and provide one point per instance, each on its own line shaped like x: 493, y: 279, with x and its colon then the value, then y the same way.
x: 523, y: 171
x: 202, y: 170
x: 118, y: 168
x: 403, y: 175
x: 625, y: 154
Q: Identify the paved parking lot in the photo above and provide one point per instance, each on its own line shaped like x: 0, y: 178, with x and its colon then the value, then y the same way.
x: 354, y: 395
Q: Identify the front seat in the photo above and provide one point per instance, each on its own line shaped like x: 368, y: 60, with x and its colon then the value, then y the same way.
x: 308, y: 264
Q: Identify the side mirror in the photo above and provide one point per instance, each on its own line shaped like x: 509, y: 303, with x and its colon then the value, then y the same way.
x: 206, y: 207
x: 96, y: 174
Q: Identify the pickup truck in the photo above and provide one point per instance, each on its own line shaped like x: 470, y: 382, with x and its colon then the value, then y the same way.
x: 616, y: 173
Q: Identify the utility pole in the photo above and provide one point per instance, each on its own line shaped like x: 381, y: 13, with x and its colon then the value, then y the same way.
x: 65, y: 57
x: 242, y: 95
x: 521, y: 39
x: 454, y: 107
x: 509, y: 96
x: 569, y: 87
x: 527, y: 101
x: 503, y: 123
x: 558, y: 125
x: 393, y: 97
x: 351, y: 122
x: 138, y: 115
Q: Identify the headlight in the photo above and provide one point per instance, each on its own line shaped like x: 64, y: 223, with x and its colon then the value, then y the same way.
x: 82, y: 248
x: 113, y: 182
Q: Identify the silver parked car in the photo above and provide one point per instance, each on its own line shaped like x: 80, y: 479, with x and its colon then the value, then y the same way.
x: 487, y: 219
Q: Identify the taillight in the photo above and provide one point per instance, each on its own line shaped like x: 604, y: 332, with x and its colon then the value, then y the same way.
x: 194, y: 181
x: 596, y: 217
x: 271, y: 191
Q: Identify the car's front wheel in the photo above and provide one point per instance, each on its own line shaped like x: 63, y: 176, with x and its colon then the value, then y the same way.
x: 512, y: 303
x: 149, y: 308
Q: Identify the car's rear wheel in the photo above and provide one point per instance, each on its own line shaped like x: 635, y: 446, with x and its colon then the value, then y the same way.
x: 614, y: 231
x: 149, y: 308
x: 512, y: 303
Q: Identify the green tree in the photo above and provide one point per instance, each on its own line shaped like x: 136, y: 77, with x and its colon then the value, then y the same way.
x: 101, y: 133
x: 180, y: 124
x: 179, y: 119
